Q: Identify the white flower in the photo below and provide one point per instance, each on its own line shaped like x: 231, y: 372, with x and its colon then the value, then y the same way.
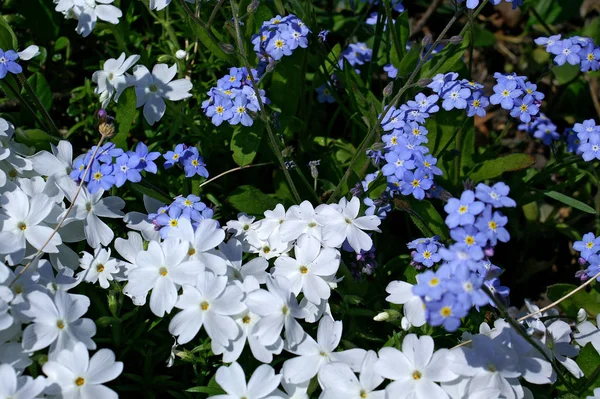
x: 338, y: 380
x: 150, y: 89
x: 232, y: 379
x: 21, y: 220
x: 89, y: 11
x: 180, y: 54
x: 278, y: 307
x: 29, y: 53
x: 293, y: 391
x: 98, y: 267
x: 160, y: 4
x: 210, y: 304
x: 346, y: 225
x: 310, y: 268
x: 6, y: 296
x: 12, y: 354
x: 130, y: 248
x: 300, y: 219
x: 588, y: 333
x: 161, y: 270
x: 73, y: 374
x: 139, y: 221
x: 112, y: 79
x: 57, y: 322
x: 596, y: 394
x: 415, y: 371
x: 13, y: 386
x: 313, y: 355
x: 268, y: 249
x: 232, y: 250
x: 414, y: 308
x: 269, y: 226
x: 88, y: 207
x: 202, y: 243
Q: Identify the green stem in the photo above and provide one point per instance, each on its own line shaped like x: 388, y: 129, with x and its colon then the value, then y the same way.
x: 263, y: 112
x: 213, y: 14
x: 312, y: 189
x: 49, y: 122
x: 17, y: 94
x: 542, y: 21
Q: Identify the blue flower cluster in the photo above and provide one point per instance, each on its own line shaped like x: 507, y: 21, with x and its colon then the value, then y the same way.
x: 355, y: 54
x: 113, y: 167
x: 189, y: 207
x: 541, y: 128
x: 8, y: 63
x: 475, y: 3
x: 451, y: 290
x: 188, y: 158
x: 279, y: 37
x: 576, y: 50
x: 588, y: 138
x: 234, y: 98
x: 517, y: 95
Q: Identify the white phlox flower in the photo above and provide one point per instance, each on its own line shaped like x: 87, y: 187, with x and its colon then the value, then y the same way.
x: 14, y: 386
x: 73, y: 374
x: 98, y: 267
x: 300, y: 219
x: 313, y: 355
x: 269, y: 226
x: 339, y: 381
x: 152, y: 88
x: 209, y: 304
x: 236, y: 271
x: 414, y: 308
x: 232, y: 379
x: 88, y: 12
x: 112, y: 80
x: 309, y: 269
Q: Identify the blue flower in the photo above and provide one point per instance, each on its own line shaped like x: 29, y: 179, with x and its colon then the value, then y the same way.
x: 423, y: 241
x: 193, y: 163
x: 497, y: 289
x: 392, y: 72
x: 323, y: 35
x: 549, y: 42
x: 504, y: 94
x: 126, y: 169
x: 476, y: 104
x: 547, y: 132
x: 240, y: 115
x: 427, y: 255
x: 447, y: 312
x: 415, y: 183
x: 455, y: 96
x: 468, y: 235
x: 146, y: 158
x: 461, y: 254
x: 594, y: 266
x: 492, y: 225
x: 220, y: 110
x: 462, y: 212
x: 467, y: 287
x: 531, y: 92
x: 8, y: 63
x: 101, y: 177
x: 324, y: 94
x: 567, y: 51
x: 586, y: 129
x: 167, y: 220
x: 589, y: 245
x: 427, y: 163
x: 191, y: 206
x: 591, y: 149
x: 590, y: 58
x: 431, y: 284
x: 174, y: 157
x: 524, y: 109
x: 497, y: 195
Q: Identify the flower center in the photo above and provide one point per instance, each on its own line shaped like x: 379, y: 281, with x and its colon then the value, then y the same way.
x: 100, y: 268
x: 492, y: 225
x: 589, y: 245
x: 434, y: 282
x: 279, y: 43
x: 426, y: 254
x: 523, y: 107
x: 153, y: 88
x: 173, y: 222
x: 246, y: 319
x: 60, y: 324
x: 97, y: 176
x: 591, y: 57
x: 415, y: 183
x: 363, y: 393
x: 163, y: 271
x: 446, y: 311
x: 505, y: 93
x: 470, y: 240
x: 79, y: 381
x: 191, y: 251
x: 417, y: 375
x: 195, y: 162
x: 241, y: 110
x: 463, y: 209
x: 285, y: 309
x: 303, y: 269
x: 204, y: 305
x: 22, y: 226
x: 219, y: 109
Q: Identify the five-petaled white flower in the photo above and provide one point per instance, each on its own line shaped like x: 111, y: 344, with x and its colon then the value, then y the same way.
x: 112, y: 79
x: 232, y: 379
x: 98, y: 267
x: 15, y: 386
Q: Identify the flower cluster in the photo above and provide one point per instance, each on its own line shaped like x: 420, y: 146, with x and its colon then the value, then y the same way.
x: 112, y: 166
x: 517, y: 95
x: 588, y: 137
x: 168, y: 216
x: 188, y: 158
x: 589, y: 249
x: 456, y: 285
x: 88, y: 12
x: 576, y: 50
x: 541, y: 128
x: 151, y: 89
x: 355, y: 54
x: 234, y: 98
x: 279, y: 37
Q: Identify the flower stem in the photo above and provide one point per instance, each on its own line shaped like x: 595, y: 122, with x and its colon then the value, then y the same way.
x: 233, y: 170
x: 49, y: 122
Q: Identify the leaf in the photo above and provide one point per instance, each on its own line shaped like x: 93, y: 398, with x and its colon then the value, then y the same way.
x: 495, y: 167
x: 447, y: 59
x: 331, y: 61
x: 35, y: 138
x: 251, y: 200
x: 402, y: 32
x: 571, y: 305
x: 125, y: 116
x: 588, y: 361
x: 572, y: 202
x: 42, y: 89
x: 8, y: 39
x: 400, y: 266
x: 244, y: 144
x: 428, y: 215
x: 286, y: 85
x: 409, y: 62
x: 210, y: 44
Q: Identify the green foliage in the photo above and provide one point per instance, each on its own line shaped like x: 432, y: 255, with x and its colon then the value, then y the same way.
x: 496, y: 167
x: 126, y: 113
x: 590, y: 301
x: 251, y: 200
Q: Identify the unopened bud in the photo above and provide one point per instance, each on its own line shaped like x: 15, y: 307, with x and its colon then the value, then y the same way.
x: 405, y: 324
x: 424, y: 82
x: 581, y: 316
x: 106, y: 126
x: 253, y: 6
x: 427, y: 40
x: 180, y: 54
x: 383, y: 316
x: 314, y: 172
x: 271, y: 66
x: 163, y: 58
x: 387, y: 90
x: 456, y: 39
x: 227, y: 48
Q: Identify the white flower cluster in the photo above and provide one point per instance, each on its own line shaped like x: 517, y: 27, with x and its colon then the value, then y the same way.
x: 88, y: 12
x: 150, y: 88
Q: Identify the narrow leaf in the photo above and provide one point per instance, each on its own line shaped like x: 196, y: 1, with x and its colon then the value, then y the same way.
x: 572, y: 202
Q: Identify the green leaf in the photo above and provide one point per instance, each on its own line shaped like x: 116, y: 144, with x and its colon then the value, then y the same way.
x: 447, y: 60
x: 402, y: 32
x: 251, y: 200
x: 42, y: 89
x: 495, y: 167
x: 36, y: 138
x: 125, y: 116
x: 572, y: 202
x: 400, y: 267
x: 210, y: 43
x: 409, y: 62
x: 331, y: 60
x: 429, y: 217
x: 8, y: 39
x: 581, y: 299
x: 286, y: 85
x: 566, y: 73
x: 588, y: 361
x: 244, y: 144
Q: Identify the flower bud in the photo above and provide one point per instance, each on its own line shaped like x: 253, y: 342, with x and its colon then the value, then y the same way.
x: 581, y: 316
x: 253, y: 6
x: 424, y: 82
x: 227, y: 48
x: 180, y: 54
x: 456, y: 39
x: 387, y: 91
x: 383, y: 316
x: 271, y: 66
x: 427, y: 40
x: 405, y: 324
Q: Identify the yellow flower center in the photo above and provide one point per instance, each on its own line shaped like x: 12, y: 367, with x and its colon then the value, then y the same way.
x: 173, y: 222
x: 219, y: 109
x: 195, y: 162
x: 589, y: 245
x: 79, y: 381
x: 246, y: 319
x: 591, y: 57
x: 303, y: 269
x: 22, y: 226
x: 163, y: 271
x: 394, y: 140
x: 100, y: 268
x: 60, y: 324
x: 434, y: 281
x: 279, y: 43
x: 416, y: 375
x: 470, y: 240
x: 463, y: 209
x: 426, y: 254
x: 492, y: 225
x: 446, y: 311
x: 415, y: 183
x: 204, y: 306
x: 523, y: 107
x: 97, y: 176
